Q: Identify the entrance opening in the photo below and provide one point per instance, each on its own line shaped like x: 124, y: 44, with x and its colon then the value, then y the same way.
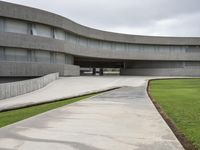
x: 99, y: 71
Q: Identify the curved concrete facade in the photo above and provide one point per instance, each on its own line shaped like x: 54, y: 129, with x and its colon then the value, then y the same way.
x: 35, y: 42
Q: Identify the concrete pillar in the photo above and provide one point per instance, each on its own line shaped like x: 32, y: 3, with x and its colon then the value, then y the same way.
x: 93, y: 71
x: 101, y: 72
x: 124, y: 65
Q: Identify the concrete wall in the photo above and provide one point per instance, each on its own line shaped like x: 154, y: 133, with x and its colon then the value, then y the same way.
x: 50, y: 39
x: 17, y: 69
x: 68, y: 42
x: 21, y: 87
x: 162, y: 68
x: 26, y: 62
x: 98, y: 50
x: 161, y: 72
x: 35, y: 15
x: 71, y: 70
x: 30, y: 55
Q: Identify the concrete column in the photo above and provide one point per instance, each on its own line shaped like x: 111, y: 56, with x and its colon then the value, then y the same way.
x: 124, y: 65
x: 101, y: 72
x: 93, y: 71
x: 2, y: 24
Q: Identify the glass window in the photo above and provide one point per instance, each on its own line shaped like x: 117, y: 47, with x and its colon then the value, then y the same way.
x: 2, y: 54
x: 69, y: 59
x: 59, y: 34
x: 60, y: 58
x: 1, y: 24
x: 16, y: 26
x: 33, y: 30
x: 15, y: 54
x: 42, y: 30
x: 42, y: 56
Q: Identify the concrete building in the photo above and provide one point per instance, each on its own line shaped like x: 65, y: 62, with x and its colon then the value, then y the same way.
x: 35, y: 43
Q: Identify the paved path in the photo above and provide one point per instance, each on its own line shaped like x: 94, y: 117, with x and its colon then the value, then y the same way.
x: 122, y: 119
x: 70, y: 87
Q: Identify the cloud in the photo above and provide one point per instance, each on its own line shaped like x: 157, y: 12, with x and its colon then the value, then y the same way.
x: 146, y: 17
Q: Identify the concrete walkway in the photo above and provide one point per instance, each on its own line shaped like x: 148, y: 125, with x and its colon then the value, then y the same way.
x: 70, y: 87
x: 122, y: 119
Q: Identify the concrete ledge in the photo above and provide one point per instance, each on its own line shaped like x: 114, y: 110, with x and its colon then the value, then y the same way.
x: 161, y: 72
x: 31, y: 69
x: 21, y: 87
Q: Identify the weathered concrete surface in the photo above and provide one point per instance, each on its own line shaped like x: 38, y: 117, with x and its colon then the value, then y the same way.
x: 30, y: 32
x: 13, y: 89
x: 123, y: 119
x: 35, y: 15
x: 70, y: 87
x: 24, y: 69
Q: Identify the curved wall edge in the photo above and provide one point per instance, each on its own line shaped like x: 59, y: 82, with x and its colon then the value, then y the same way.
x: 34, y: 42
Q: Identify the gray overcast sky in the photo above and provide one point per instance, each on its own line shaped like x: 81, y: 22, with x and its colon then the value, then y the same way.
x: 143, y: 17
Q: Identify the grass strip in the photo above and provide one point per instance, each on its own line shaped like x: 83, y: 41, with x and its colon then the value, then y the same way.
x: 12, y: 116
x: 180, y: 101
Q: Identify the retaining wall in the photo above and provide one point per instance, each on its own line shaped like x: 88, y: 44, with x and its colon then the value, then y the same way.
x: 21, y: 87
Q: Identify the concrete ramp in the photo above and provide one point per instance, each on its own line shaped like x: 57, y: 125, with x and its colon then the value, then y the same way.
x: 122, y: 119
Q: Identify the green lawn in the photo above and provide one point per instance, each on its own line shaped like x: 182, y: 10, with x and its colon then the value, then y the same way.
x: 12, y: 116
x: 180, y: 100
